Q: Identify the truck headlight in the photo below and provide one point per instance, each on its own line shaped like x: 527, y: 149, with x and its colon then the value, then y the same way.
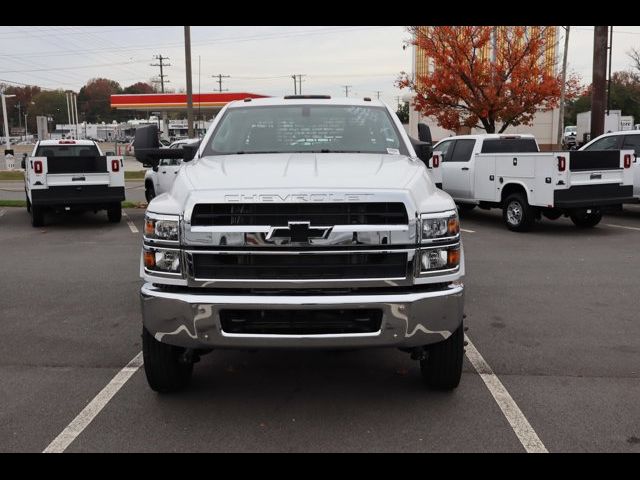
x: 435, y: 259
x: 440, y: 226
x: 161, y: 227
x: 162, y: 260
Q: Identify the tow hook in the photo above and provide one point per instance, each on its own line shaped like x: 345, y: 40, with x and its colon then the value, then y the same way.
x: 189, y: 356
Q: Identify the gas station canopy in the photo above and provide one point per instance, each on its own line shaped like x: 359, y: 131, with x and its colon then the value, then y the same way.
x: 177, y: 101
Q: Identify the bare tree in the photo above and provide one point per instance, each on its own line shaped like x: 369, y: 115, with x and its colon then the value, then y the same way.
x: 634, y: 54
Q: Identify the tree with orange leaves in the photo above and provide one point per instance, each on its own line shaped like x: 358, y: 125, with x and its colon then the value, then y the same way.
x: 472, y: 84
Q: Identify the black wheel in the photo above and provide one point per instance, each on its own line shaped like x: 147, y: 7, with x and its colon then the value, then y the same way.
x: 465, y: 207
x: 442, y: 368
x: 28, y: 203
x: 583, y: 219
x: 163, y: 366
x: 37, y: 216
x: 149, y: 192
x: 114, y: 213
x: 551, y: 213
x: 517, y: 214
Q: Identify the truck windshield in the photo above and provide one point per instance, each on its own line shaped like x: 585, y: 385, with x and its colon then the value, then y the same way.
x: 305, y: 128
x: 67, y: 151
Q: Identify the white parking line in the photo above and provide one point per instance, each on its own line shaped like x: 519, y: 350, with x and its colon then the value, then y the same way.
x: 622, y: 226
x: 132, y: 227
x: 86, y: 416
x: 520, y: 425
x: 468, y: 231
x: 2, y: 212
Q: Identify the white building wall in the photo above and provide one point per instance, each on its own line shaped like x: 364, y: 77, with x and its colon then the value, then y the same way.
x: 544, y: 127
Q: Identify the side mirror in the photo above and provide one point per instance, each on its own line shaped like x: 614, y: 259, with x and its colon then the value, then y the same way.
x: 424, y: 150
x: 147, y: 146
x: 154, y: 168
x: 23, y: 163
x: 189, y: 151
x: 424, y: 133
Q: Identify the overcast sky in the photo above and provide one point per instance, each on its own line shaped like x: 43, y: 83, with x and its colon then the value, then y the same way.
x: 258, y: 59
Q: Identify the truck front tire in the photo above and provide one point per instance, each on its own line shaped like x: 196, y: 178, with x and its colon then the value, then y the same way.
x: 583, y: 219
x: 165, y: 369
x: 517, y: 214
x: 442, y: 368
x: 114, y: 213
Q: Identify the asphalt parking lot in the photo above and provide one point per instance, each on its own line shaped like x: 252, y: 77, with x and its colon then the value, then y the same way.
x: 554, y: 313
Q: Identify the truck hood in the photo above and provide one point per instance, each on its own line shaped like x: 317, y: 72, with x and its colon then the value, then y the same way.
x: 307, y: 177
x: 301, y: 170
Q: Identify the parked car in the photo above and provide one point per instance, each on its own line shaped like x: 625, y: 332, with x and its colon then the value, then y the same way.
x: 266, y: 242
x: 569, y: 137
x: 623, y: 140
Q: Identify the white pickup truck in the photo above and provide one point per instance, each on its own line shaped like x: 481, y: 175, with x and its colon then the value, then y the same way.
x: 509, y: 172
x: 159, y: 178
x: 72, y: 175
x: 301, y: 222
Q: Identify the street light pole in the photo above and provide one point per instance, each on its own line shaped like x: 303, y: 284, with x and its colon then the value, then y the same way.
x: 187, y: 54
x: 6, y: 123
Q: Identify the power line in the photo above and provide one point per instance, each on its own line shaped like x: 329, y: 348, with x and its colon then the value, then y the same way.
x: 161, y: 59
x: 220, y: 77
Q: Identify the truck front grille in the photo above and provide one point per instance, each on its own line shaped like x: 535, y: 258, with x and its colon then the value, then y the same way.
x: 300, y: 322
x: 320, y: 214
x: 301, y: 266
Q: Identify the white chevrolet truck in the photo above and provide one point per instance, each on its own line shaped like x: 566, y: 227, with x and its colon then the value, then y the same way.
x: 301, y: 222
x: 72, y: 175
x: 509, y: 172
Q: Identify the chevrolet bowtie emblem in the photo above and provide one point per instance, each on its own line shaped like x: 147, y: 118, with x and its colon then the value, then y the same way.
x: 300, y: 232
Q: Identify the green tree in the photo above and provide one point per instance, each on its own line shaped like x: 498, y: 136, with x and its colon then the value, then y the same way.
x: 403, y: 112
x: 139, y: 88
x: 50, y: 104
x: 625, y: 96
x: 94, y: 100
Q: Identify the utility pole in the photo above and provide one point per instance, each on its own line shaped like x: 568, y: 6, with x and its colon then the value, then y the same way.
x: 346, y: 89
x: 599, y: 84
x: 161, y: 64
x: 610, y: 48
x: 300, y: 83
x: 220, y: 77
x: 295, y: 85
x: 75, y: 110
x: 378, y: 92
x: 187, y: 59
x: 564, y: 86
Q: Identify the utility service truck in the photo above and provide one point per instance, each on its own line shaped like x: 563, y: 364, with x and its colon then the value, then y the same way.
x: 509, y: 172
x: 301, y: 222
x: 72, y: 175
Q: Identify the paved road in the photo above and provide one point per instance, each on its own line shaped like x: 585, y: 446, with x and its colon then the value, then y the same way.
x: 554, y: 313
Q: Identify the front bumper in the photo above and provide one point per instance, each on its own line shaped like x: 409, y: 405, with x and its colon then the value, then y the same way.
x: 192, y: 319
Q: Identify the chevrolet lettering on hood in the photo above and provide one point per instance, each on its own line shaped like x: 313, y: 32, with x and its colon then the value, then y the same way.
x: 297, y: 197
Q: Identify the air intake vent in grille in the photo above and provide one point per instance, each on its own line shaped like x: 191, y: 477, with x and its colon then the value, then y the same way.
x: 302, y: 266
x: 319, y: 214
x: 300, y: 322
